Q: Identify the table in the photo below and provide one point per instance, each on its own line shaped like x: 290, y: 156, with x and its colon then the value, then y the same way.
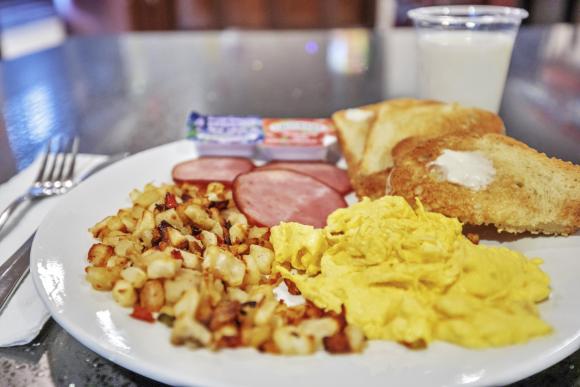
x: 134, y: 91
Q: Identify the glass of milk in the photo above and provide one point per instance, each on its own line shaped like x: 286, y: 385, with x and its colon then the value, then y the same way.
x: 465, y: 51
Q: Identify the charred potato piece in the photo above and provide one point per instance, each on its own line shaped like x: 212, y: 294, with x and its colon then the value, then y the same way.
x: 99, y: 254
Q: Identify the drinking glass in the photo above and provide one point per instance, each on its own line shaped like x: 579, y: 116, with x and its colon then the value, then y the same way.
x: 465, y: 51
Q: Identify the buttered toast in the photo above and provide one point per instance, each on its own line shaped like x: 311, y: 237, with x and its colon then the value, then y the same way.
x: 368, y: 134
x: 427, y: 119
x: 528, y: 192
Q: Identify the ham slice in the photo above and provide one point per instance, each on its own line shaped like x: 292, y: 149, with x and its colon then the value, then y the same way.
x: 329, y: 174
x: 207, y: 169
x: 270, y: 196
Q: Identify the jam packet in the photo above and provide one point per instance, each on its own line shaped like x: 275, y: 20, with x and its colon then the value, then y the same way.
x: 297, y: 138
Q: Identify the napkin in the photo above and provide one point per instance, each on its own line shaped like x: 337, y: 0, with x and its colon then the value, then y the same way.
x: 25, y: 314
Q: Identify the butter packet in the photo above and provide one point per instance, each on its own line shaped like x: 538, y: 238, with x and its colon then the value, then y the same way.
x: 225, y: 135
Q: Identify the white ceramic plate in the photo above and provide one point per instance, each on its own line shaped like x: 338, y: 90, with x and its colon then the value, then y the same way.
x: 59, y: 257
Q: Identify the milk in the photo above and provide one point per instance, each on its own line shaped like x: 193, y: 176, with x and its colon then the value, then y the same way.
x: 469, y: 67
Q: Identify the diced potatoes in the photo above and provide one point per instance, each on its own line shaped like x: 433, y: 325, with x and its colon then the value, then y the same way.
x: 163, y: 268
x: 233, y: 216
x: 170, y: 216
x: 256, y: 336
x: 126, y: 247
x: 152, y: 296
x: 188, y: 330
x: 144, y: 260
x: 356, y: 338
x: 190, y: 260
x: 199, y: 217
x: 99, y: 254
x: 217, y: 230
x: 118, y: 262
x: 319, y: 328
x: 231, y: 269
x: 124, y: 293
x: 126, y: 217
x: 237, y: 294
x: 187, y: 304
x: 215, y: 188
x: 176, y: 238
x: 135, y: 276
x: 253, y: 274
x: 290, y: 341
x: 102, y: 278
x: 184, y: 280
x: 264, y: 258
x: 147, y: 197
x: 146, y: 224
x: 97, y: 229
x: 257, y: 232
x: 238, y: 233
x: 186, y: 256
x: 208, y: 239
x: 265, y: 312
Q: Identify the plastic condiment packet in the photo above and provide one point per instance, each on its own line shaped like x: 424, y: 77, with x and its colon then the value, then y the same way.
x: 297, y: 138
x: 225, y: 135
x: 275, y: 138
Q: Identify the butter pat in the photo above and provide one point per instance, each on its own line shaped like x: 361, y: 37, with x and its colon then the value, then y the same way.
x: 225, y: 135
x: 358, y: 115
x: 468, y: 169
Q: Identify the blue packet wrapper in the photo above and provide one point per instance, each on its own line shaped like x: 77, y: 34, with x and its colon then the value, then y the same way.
x: 225, y: 135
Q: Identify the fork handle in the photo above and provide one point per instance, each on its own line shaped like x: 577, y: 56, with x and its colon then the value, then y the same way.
x: 13, y: 271
x: 10, y: 209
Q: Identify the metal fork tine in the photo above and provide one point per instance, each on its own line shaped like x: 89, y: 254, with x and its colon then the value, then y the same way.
x: 73, y: 154
x: 65, y: 146
x: 50, y: 175
x: 44, y: 163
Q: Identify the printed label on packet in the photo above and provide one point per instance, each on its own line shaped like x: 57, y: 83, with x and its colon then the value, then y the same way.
x: 225, y: 129
x: 309, y: 132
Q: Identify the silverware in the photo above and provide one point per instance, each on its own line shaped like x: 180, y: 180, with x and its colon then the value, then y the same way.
x: 13, y: 272
x: 15, y: 269
x: 55, y: 175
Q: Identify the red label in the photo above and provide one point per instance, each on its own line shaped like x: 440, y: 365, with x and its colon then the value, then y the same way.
x: 297, y: 131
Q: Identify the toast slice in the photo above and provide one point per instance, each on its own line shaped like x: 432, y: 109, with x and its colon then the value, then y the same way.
x: 352, y: 130
x: 428, y: 118
x: 529, y: 192
x: 352, y: 133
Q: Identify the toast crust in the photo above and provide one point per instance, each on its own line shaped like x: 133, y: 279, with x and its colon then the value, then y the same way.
x: 428, y: 118
x: 371, y: 186
x: 352, y: 135
x: 530, y: 192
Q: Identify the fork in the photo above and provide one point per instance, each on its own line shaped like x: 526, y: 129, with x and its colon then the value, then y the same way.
x: 16, y: 268
x: 55, y: 175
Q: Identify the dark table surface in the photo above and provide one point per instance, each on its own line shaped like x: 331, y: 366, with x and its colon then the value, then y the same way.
x: 133, y: 92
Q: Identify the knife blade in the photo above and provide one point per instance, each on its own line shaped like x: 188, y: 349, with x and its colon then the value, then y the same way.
x: 16, y: 268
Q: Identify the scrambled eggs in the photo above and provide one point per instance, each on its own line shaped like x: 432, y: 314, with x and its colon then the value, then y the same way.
x: 411, y: 276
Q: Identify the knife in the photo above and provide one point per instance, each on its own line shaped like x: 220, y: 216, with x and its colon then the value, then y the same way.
x: 16, y: 268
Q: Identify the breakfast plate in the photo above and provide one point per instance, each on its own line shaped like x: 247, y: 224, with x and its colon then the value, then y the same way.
x: 58, y: 260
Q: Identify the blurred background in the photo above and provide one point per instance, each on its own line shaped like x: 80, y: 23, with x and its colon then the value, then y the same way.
x: 27, y: 26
